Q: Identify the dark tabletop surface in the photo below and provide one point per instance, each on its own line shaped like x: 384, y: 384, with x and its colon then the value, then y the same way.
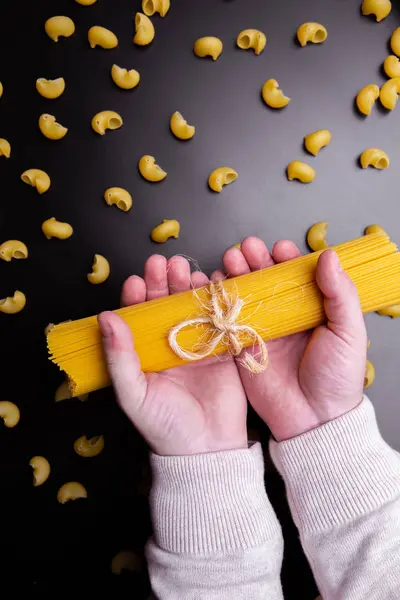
x: 49, y: 547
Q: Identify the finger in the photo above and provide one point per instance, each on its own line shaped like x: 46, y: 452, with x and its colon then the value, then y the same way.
x: 178, y: 273
x: 123, y: 363
x: 341, y: 301
x: 235, y: 263
x: 155, y: 277
x: 218, y: 275
x: 285, y: 250
x: 256, y: 253
x: 199, y: 279
x: 133, y: 291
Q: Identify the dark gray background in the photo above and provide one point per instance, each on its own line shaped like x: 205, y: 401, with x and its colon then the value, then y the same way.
x: 54, y: 545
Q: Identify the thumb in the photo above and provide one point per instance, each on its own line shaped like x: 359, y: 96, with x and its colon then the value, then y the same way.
x: 123, y: 363
x: 341, y: 301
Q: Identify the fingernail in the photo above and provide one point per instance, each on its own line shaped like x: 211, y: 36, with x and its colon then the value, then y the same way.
x: 338, y: 265
x: 106, y: 328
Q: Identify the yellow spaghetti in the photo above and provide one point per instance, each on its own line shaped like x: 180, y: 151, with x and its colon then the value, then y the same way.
x: 278, y: 301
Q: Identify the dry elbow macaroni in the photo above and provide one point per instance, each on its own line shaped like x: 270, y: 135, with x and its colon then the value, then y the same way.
x: 167, y: 229
x: 13, y: 304
x: 301, y: 171
x: 150, y: 170
x: 366, y: 98
x: 180, y: 128
x: 311, y: 32
x: 251, y: 38
x: 390, y: 311
x: 395, y: 41
x: 389, y: 93
x: 220, y: 177
x: 56, y: 27
x: 118, y: 196
x: 41, y: 469
x: 50, y: 128
x: 52, y: 228
x: 316, y: 236
x: 100, y: 270
x: 379, y: 8
x: 374, y: 229
x: 391, y: 66
x: 89, y: 448
x: 125, y: 560
x: 13, y: 249
x: 37, y: 178
x: 144, y: 30
x: 107, y: 119
x: 314, y: 142
x: 126, y: 80
x: 150, y: 7
x: 369, y: 374
x: 71, y: 491
x: 273, y: 95
x: 208, y: 46
x: 100, y: 36
x: 373, y: 157
x: 9, y: 412
x: 86, y: 2
x: 1, y: 89
x: 50, y: 88
x: 5, y: 148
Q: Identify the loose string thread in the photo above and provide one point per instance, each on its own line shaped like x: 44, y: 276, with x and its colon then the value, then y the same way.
x: 223, y: 312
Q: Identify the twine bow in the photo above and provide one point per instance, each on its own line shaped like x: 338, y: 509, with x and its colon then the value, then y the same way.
x: 223, y: 312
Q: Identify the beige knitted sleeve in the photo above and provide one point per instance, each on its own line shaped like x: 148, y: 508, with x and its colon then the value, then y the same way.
x: 343, y: 486
x: 215, y: 534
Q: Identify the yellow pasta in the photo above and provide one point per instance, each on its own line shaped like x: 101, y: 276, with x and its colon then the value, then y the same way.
x: 5, y: 148
x: 150, y: 7
x: 144, y: 30
x: 252, y: 38
x: 150, y: 170
x: 391, y: 66
x: 379, y: 8
x: 314, y: 142
x: 395, y: 41
x: 125, y: 560
x: 373, y: 157
x: 118, y: 196
x: 50, y: 128
x: 316, y: 236
x: 167, y: 229
x: 374, y: 229
x: 56, y: 27
x: 390, y: 311
x: 53, y: 228
x: 208, y: 46
x: 273, y: 95
x: 37, y: 178
x: 50, y: 88
x: 100, y: 36
x: 89, y: 447
x: 100, y: 270
x: 1, y: 89
x: 86, y: 2
x: 41, y: 469
x: 311, y: 32
x: 124, y: 79
x: 107, y: 119
x: 220, y: 177
x: 13, y: 304
x: 9, y: 412
x: 390, y: 92
x: 301, y: 171
x: 366, y: 98
x: 369, y: 374
x: 13, y: 249
x: 180, y: 128
x: 71, y: 491
x: 278, y: 301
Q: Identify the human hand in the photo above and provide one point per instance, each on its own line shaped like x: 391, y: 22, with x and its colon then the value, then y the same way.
x: 196, y: 408
x: 312, y: 377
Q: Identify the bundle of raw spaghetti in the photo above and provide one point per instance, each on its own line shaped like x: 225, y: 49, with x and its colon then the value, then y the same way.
x: 278, y: 301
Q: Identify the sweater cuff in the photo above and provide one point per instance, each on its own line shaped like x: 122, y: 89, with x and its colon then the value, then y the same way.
x: 210, y: 503
x: 339, y: 471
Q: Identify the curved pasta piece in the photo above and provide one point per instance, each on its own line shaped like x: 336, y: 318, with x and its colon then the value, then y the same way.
x: 118, y: 196
x: 208, y: 46
x: 50, y: 128
x: 41, y: 469
x: 107, y: 119
x: 366, y: 98
x: 10, y: 414
x: 100, y: 36
x: 125, y: 560
x: 167, y: 229
x: 56, y: 27
x: 316, y: 236
x: 86, y: 2
x: 89, y: 447
x: 251, y: 38
x: 71, y: 491
x: 13, y: 249
x: 389, y: 93
x: 273, y: 95
x: 369, y: 374
x: 314, y: 142
x: 144, y: 30
x: 220, y: 177
x: 374, y: 229
x: 379, y: 8
x: 52, y: 228
x: 37, y: 178
x: 301, y: 171
x: 100, y: 270
x: 311, y: 32
x: 50, y: 88
x: 5, y: 148
x: 1, y: 89
x: 374, y: 157
x: 150, y: 7
x: 390, y: 311
x: 180, y: 128
x: 150, y: 170
x: 395, y: 41
x: 13, y: 304
x: 126, y: 80
x: 391, y: 66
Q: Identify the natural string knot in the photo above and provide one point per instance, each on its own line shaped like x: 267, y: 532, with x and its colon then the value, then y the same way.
x: 223, y: 312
